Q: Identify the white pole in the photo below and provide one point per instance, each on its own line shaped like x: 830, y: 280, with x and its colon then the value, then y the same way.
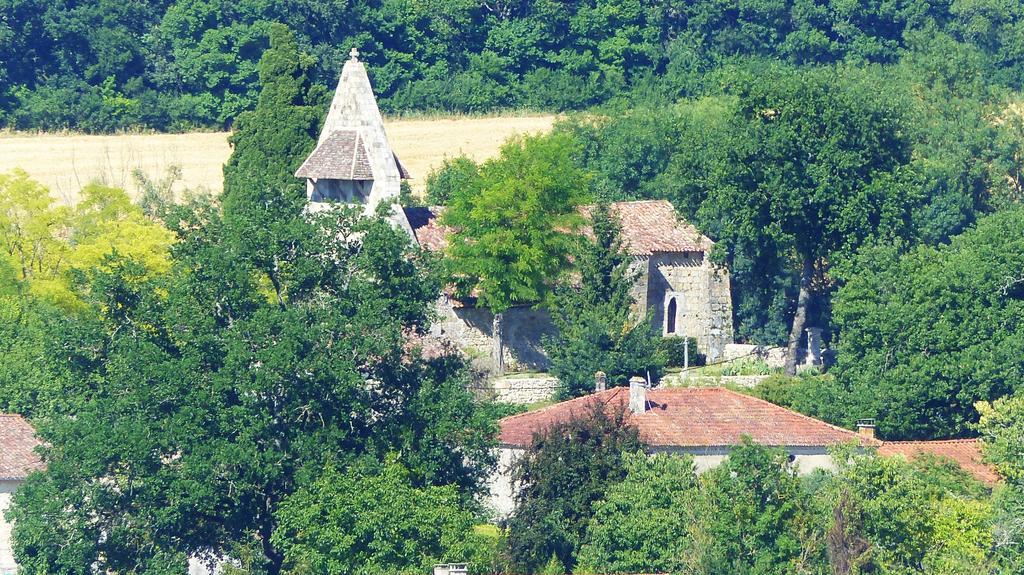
x: 686, y: 354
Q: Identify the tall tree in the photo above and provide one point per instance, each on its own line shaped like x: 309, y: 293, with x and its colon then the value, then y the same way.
x: 926, y: 334
x: 263, y: 200
x: 811, y: 174
x: 513, y: 225
x: 567, y: 469
x: 594, y: 311
x: 212, y: 403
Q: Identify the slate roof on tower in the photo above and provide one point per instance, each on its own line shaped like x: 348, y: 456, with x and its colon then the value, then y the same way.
x: 342, y: 156
x: 690, y: 417
x: 17, y: 448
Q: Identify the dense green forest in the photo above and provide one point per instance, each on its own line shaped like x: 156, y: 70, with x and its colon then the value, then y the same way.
x: 103, y: 65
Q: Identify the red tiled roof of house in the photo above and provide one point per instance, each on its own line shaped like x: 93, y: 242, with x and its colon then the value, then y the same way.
x: 17, y: 448
x: 652, y: 226
x: 965, y: 452
x: 691, y: 417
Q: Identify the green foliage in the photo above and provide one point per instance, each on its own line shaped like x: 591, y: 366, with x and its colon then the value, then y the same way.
x: 1002, y: 432
x: 453, y: 177
x: 565, y: 472
x: 761, y: 519
x: 206, y: 404
x: 596, y: 318
x: 905, y: 514
x: 354, y: 522
x: 928, y: 333
x: 677, y: 351
x: 105, y: 65
x: 647, y: 523
x: 512, y: 229
x: 48, y: 245
x: 815, y: 395
x: 263, y: 200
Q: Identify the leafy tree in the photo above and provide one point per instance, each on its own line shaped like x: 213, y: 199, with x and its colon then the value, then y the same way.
x: 927, y: 334
x: 595, y: 315
x: 819, y: 149
x: 512, y: 228
x: 567, y: 469
x: 760, y: 520
x: 49, y: 244
x: 650, y: 522
x: 454, y: 176
x: 1000, y: 425
x: 370, y: 523
x: 210, y: 403
x: 906, y: 511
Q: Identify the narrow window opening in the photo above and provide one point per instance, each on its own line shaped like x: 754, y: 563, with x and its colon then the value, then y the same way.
x: 670, y: 315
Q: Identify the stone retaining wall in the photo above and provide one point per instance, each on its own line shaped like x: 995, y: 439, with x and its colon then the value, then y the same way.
x: 677, y: 380
x: 525, y: 388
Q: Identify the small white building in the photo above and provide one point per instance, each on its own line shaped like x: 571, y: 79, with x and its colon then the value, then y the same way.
x: 702, y: 422
x: 17, y: 460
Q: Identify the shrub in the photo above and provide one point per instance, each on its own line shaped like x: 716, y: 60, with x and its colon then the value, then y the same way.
x: 673, y: 349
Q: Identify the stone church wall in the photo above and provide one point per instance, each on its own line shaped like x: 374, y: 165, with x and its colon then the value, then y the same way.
x: 701, y: 291
x: 471, y: 329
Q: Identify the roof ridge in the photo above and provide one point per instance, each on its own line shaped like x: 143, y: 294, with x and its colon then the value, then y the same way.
x: 934, y: 441
x: 798, y: 414
x: 611, y: 392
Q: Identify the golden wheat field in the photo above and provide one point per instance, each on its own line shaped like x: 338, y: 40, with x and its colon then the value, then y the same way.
x: 66, y: 162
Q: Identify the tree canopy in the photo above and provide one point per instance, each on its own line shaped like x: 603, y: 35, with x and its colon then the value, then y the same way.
x: 103, y: 65
x: 513, y: 225
x: 926, y: 334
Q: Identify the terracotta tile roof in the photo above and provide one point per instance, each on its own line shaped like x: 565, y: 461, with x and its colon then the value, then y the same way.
x: 652, y: 226
x: 965, y: 452
x: 692, y: 418
x: 648, y: 227
x: 426, y: 226
x: 17, y: 444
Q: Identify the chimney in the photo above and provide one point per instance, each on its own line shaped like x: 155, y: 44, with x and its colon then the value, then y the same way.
x: 600, y: 382
x: 866, y: 428
x: 637, y: 395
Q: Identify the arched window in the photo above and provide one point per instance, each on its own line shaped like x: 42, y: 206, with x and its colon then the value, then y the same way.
x: 670, y: 316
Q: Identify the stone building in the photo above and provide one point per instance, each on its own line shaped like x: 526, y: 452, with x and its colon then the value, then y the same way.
x: 678, y: 286
x: 353, y: 162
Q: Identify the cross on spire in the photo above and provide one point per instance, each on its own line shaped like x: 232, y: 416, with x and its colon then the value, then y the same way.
x: 354, y: 54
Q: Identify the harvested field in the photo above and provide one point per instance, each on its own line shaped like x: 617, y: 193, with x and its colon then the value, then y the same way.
x: 66, y: 162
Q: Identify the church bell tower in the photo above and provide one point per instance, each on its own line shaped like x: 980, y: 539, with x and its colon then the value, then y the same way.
x: 353, y: 162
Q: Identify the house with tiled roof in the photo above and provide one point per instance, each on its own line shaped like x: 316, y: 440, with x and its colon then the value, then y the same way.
x: 683, y: 292
x: 964, y: 452
x: 704, y: 423
x: 18, y: 459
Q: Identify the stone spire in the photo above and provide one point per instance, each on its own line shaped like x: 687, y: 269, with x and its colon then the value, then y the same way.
x: 353, y: 161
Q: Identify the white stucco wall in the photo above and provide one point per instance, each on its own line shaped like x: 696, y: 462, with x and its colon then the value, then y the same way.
x: 7, y: 564
x: 502, y: 492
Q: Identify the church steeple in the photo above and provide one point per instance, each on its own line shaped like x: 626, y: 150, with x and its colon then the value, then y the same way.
x: 353, y: 162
